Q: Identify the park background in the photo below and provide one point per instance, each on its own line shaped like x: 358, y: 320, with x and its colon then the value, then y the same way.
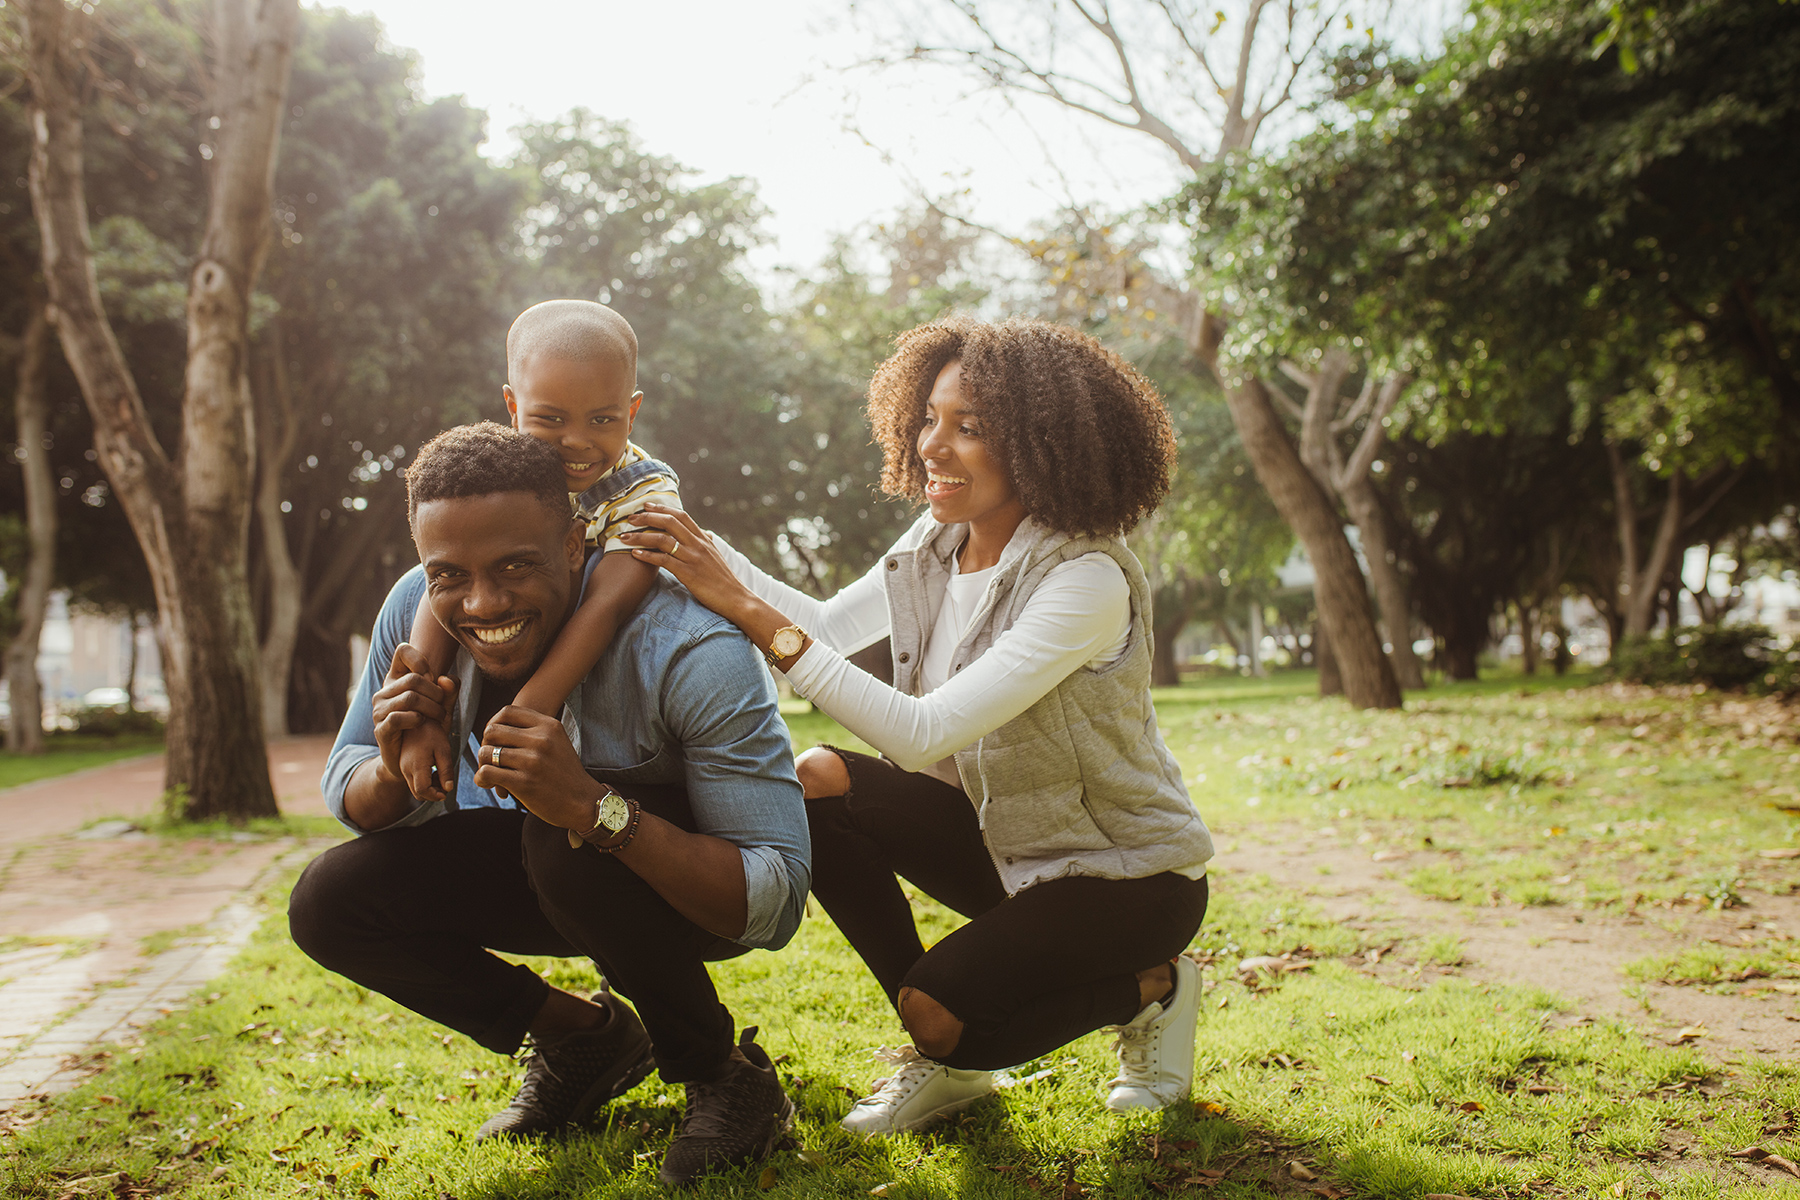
x: 1477, y: 325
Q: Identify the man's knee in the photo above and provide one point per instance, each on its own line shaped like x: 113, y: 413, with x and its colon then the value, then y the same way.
x: 935, y: 1032
x: 317, y: 907
x: 822, y: 773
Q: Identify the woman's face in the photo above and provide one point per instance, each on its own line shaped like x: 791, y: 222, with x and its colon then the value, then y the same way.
x: 965, y: 482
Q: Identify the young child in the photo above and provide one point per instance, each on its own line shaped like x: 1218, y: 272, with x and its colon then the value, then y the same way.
x: 571, y: 369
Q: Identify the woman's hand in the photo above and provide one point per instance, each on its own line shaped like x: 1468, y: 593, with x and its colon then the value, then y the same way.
x: 671, y: 540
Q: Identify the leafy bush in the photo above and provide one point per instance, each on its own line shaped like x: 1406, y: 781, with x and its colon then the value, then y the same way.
x: 1722, y: 656
x: 109, y: 722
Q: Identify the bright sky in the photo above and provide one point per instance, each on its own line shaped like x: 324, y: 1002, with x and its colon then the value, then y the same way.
x: 757, y: 89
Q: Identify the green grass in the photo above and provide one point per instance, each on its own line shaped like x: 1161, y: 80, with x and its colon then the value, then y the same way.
x: 1392, y: 1082
x: 66, y: 752
x: 284, y: 1080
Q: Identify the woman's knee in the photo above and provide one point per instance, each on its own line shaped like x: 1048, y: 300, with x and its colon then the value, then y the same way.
x: 935, y: 1030
x: 822, y: 773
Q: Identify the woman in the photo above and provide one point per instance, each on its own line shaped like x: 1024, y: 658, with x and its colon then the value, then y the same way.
x: 1023, y: 781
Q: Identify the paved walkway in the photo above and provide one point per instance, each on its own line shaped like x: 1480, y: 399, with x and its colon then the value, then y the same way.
x: 101, y: 935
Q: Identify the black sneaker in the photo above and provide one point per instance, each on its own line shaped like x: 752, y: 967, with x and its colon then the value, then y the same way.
x: 567, y: 1078
x: 734, y: 1120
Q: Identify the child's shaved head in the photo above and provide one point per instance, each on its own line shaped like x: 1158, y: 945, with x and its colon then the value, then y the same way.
x: 573, y: 331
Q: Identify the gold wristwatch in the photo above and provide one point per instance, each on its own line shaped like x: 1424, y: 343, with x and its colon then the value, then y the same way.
x: 612, y: 812
x: 786, y: 643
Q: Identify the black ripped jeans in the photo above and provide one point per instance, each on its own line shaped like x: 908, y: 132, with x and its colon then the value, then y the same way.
x: 413, y: 914
x: 1028, y: 973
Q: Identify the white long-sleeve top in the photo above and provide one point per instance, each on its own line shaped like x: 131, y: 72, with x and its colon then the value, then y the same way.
x: 1079, y: 615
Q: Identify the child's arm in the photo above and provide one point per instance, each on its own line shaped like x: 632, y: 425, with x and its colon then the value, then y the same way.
x: 618, y: 585
x: 429, y: 745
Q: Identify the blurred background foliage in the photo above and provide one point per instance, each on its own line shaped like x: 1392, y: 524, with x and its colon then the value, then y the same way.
x: 1573, y: 229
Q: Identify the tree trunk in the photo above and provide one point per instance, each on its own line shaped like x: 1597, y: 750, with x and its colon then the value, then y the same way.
x: 282, y: 582
x: 131, y: 668
x: 190, y: 514
x: 1331, y: 681
x: 1256, y: 637
x: 1342, y: 599
x: 31, y: 406
x: 1390, y: 585
x: 1528, y: 647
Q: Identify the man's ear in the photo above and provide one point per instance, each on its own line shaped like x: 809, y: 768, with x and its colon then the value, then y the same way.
x: 575, y: 545
x: 512, y: 404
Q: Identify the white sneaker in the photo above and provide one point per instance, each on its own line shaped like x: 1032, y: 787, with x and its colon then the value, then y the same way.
x: 916, y: 1094
x: 1156, y: 1051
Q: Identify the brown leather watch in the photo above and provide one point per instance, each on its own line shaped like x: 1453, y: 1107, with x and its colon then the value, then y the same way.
x: 613, y: 814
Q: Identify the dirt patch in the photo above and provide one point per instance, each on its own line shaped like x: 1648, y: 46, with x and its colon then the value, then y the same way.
x: 1579, y: 955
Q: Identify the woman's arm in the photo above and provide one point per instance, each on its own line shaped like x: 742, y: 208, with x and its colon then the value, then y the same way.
x: 855, y: 618
x: 1076, y: 615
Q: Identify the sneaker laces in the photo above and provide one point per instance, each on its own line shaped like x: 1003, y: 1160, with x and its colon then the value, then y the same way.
x: 912, y: 1070
x: 1132, y: 1044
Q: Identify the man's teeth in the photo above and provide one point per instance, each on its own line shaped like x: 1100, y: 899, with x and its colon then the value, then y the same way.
x: 505, y: 633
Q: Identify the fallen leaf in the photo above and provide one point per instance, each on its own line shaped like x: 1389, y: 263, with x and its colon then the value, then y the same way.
x: 1388, y: 856
x: 1200, y: 1181
x: 1209, y: 1108
x: 813, y: 1158
x: 880, y: 1189
x: 1260, y: 962
x: 1224, y: 1001
x: 1690, y: 1033
x: 766, y: 1180
x: 1446, y: 1196
x: 1297, y: 1170
x: 1470, y: 1106
x: 1618, y: 1189
x: 1758, y: 1154
x: 1407, y: 1056
x: 1783, y: 852
x: 1380, y: 1080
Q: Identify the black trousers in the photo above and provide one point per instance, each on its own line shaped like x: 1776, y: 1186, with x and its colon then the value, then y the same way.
x: 1028, y: 973
x: 413, y: 914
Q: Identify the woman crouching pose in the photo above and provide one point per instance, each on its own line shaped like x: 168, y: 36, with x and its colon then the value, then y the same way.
x: 1022, y: 779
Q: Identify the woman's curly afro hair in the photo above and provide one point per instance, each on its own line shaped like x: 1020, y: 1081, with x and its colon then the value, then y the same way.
x: 1085, y: 438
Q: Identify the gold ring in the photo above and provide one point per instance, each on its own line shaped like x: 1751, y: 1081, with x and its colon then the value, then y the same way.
x: 675, y: 549
x: 495, y: 755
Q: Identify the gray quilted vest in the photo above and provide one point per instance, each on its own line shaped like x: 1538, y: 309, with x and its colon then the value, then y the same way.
x: 1081, y: 782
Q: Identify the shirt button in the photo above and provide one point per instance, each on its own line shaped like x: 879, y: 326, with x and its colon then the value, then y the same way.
x: 905, y: 657
x: 893, y: 564
x: 1009, y: 860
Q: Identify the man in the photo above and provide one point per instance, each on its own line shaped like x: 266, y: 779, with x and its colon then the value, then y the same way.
x: 701, y: 851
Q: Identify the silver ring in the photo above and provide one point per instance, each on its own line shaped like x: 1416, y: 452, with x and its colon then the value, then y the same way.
x: 495, y: 755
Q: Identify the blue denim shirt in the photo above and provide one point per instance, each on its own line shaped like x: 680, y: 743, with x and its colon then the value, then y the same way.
x: 679, y: 697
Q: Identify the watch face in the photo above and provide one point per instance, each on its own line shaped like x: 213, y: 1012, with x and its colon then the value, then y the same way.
x: 615, y: 814
x: 787, y: 642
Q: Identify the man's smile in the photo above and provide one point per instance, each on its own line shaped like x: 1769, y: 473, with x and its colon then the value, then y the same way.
x: 500, y: 636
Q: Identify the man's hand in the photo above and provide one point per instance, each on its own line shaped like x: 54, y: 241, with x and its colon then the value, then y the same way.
x: 538, y: 766
x: 410, y: 699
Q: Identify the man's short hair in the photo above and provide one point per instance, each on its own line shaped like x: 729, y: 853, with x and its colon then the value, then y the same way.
x: 485, y: 459
x: 573, y: 331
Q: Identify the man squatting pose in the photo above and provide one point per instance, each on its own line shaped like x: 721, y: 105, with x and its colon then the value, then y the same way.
x: 701, y: 852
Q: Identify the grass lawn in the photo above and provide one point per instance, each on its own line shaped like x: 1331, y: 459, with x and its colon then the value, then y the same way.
x: 66, y: 752
x: 1331, y: 1080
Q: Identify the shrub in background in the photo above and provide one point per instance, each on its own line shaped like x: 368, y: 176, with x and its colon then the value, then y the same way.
x: 1722, y: 656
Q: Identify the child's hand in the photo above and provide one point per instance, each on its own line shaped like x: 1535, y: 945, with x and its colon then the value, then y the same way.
x: 421, y: 749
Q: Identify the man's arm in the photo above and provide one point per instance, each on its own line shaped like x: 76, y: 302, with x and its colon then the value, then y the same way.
x: 358, y: 784
x: 702, y: 877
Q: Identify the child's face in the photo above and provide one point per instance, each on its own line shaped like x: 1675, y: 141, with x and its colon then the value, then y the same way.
x: 584, y: 409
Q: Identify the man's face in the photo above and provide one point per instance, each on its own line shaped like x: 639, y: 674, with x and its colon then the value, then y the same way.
x: 502, y: 574
x: 583, y: 409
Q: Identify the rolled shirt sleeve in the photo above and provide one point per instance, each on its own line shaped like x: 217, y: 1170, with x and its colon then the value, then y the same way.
x: 719, y: 703
x: 355, y: 743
